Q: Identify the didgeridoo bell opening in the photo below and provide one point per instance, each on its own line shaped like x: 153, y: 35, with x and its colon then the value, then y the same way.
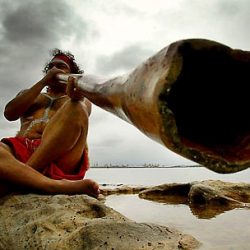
x: 192, y: 97
x: 206, y: 106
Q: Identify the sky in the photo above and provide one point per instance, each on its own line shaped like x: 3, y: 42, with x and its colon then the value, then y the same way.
x: 108, y: 38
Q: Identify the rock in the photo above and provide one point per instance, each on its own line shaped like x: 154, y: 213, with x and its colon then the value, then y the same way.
x: 78, y: 222
x: 206, y: 199
x: 173, y: 193
x: 122, y: 189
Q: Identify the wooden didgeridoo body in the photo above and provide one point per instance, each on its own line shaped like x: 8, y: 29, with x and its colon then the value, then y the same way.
x: 192, y: 97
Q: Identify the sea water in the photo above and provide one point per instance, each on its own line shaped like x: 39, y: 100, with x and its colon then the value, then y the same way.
x: 228, y: 230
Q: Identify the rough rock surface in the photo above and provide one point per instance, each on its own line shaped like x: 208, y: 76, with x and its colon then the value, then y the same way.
x: 206, y: 199
x: 78, y: 222
x: 122, y: 189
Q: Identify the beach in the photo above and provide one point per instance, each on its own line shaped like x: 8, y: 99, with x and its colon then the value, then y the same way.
x: 228, y: 230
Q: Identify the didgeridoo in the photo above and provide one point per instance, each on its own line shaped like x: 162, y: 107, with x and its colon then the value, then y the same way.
x: 192, y: 97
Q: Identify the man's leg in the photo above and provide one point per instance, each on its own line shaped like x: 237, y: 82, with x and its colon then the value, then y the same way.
x: 13, y: 173
x: 64, y: 138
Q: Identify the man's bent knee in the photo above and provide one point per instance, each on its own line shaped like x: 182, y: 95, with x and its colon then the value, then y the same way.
x: 77, y: 110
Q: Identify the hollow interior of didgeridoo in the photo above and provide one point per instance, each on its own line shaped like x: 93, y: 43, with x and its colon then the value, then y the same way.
x: 210, y: 105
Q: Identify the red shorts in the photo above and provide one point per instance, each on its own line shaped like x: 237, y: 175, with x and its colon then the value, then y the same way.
x: 23, y: 148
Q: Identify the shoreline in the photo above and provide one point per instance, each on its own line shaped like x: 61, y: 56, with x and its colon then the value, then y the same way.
x: 143, y: 167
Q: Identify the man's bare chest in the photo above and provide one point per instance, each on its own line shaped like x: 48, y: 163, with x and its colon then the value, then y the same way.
x: 46, y: 106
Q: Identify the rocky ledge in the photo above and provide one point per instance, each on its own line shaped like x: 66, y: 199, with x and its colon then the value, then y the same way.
x: 78, y: 222
x: 206, y: 199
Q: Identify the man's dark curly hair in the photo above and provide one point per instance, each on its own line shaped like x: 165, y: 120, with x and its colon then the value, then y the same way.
x: 75, y: 69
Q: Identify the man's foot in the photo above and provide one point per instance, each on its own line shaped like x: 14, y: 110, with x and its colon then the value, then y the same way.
x: 86, y: 186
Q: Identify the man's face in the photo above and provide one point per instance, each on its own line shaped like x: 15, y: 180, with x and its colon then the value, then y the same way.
x: 59, y: 64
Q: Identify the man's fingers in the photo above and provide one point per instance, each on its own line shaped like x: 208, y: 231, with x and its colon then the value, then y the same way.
x: 72, y: 90
x: 71, y: 87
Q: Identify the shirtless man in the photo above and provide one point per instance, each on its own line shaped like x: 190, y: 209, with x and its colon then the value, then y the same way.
x: 49, y: 153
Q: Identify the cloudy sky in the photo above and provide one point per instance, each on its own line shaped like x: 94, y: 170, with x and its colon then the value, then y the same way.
x: 108, y: 38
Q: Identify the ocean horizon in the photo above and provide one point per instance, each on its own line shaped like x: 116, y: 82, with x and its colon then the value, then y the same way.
x: 144, y: 166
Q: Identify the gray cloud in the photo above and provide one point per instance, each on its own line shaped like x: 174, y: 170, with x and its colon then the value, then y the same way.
x: 109, y: 142
x: 28, y: 25
x: 228, y: 8
x: 220, y: 20
x: 125, y: 59
x: 98, y: 116
x: 42, y: 22
x: 111, y: 7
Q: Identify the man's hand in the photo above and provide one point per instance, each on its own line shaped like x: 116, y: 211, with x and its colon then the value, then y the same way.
x: 72, y: 90
x: 50, y: 78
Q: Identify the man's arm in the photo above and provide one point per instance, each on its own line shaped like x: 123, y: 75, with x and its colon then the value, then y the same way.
x: 20, y: 104
x: 77, y: 95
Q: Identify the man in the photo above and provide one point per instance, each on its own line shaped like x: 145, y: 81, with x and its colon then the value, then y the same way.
x: 49, y: 153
